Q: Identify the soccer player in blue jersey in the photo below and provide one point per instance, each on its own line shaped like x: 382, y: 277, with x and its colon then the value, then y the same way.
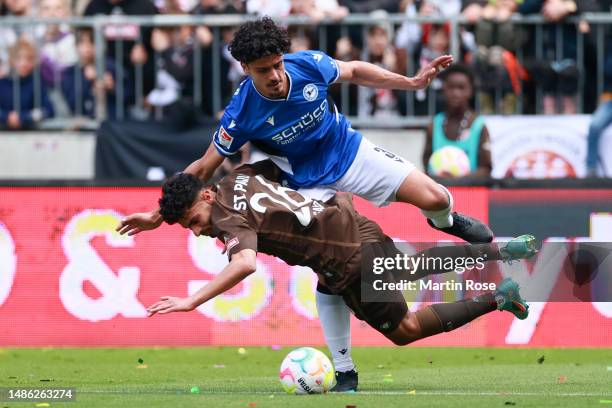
x: 283, y: 109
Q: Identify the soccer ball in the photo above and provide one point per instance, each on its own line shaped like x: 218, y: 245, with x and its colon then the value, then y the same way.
x: 306, y: 371
x: 449, y: 159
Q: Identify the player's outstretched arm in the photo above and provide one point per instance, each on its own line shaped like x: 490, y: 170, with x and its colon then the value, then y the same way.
x: 243, y: 264
x: 366, y: 74
x: 203, y: 168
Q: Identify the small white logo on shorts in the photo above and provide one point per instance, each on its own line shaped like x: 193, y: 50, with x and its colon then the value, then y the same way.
x: 317, y: 207
x: 310, y: 92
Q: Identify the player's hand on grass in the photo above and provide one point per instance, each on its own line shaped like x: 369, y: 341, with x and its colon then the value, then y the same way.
x: 169, y: 304
x: 424, y: 77
x: 138, y: 222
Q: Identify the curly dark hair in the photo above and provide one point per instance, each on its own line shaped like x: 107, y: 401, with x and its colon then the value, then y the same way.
x: 458, y: 69
x: 257, y: 39
x: 179, y: 193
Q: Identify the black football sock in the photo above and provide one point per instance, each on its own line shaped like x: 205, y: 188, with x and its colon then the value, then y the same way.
x: 444, y: 317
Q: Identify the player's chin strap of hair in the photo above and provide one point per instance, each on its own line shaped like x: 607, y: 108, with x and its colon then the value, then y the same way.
x: 433, y: 214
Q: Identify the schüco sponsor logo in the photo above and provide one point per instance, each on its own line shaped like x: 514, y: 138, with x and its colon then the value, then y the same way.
x: 292, y: 132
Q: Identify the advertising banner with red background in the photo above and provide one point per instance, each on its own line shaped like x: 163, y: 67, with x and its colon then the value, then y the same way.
x: 68, y: 279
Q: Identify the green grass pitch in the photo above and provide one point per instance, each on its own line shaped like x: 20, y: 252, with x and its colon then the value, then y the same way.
x: 389, y: 377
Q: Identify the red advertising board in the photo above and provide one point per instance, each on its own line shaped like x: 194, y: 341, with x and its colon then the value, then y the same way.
x: 68, y: 279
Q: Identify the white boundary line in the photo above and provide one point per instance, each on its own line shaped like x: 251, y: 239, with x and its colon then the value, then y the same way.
x: 381, y: 393
x: 488, y: 393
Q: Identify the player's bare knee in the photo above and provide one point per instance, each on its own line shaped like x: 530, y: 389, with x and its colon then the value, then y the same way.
x: 411, y: 326
x: 437, y: 199
x: 408, y: 331
x: 404, y: 338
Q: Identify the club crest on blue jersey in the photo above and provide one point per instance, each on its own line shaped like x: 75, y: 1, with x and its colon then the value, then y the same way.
x: 310, y: 92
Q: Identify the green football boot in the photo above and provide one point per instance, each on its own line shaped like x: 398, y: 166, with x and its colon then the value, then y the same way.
x: 509, y: 299
x: 521, y: 247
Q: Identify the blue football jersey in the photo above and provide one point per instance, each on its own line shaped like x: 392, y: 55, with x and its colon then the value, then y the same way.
x: 306, y: 130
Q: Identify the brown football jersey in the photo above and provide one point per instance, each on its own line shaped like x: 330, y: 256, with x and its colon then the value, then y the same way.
x: 253, y: 211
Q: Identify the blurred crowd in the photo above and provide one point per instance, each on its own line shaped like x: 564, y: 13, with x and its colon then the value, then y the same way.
x: 52, y: 70
x: 155, y: 66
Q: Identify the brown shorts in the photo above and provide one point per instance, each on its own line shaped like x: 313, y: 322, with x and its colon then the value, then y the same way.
x: 385, y: 314
x: 382, y: 316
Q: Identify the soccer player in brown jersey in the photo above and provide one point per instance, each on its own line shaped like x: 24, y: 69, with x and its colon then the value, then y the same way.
x: 250, y: 213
